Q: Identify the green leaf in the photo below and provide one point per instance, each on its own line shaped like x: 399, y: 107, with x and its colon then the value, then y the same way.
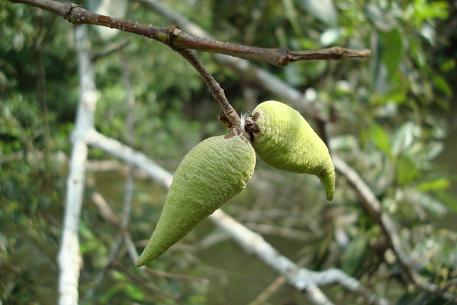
x: 434, y: 185
x: 448, y: 199
x: 405, y: 170
x: 353, y: 257
x: 442, y: 84
x: 428, y: 202
x: 323, y: 10
x: 291, y: 14
x: 380, y: 138
x: 391, y: 50
x: 404, y: 137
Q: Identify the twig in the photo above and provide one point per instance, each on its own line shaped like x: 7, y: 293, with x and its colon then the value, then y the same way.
x: 100, y: 276
x: 79, y: 15
x: 301, y: 278
x: 130, y: 103
x: 69, y: 254
x: 176, y: 276
x: 276, y: 57
x: 140, y: 281
x: 109, y: 49
x: 270, y: 290
x: 133, y: 253
x: 281, y: 231
x: 128, y: 194
x: 104, y: 209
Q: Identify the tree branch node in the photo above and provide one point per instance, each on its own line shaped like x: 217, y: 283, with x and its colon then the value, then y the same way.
x: 173, y: 32
x: 68, y: 15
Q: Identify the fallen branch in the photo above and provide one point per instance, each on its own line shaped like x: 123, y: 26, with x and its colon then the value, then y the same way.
x: 301, y: 278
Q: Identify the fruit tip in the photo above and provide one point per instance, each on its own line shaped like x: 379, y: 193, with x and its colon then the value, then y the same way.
x: 139, y: 263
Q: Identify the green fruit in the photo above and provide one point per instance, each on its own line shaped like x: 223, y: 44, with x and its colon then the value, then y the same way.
x: 282, y: 138
x: 214, y: 171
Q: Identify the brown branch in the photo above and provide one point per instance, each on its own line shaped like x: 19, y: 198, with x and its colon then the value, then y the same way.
x: 274, y: 56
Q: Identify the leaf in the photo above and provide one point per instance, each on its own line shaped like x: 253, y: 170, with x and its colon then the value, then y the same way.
x: 353, y: 257
x: 442, y: 84
x: 291, y: 14
x: 324, y: 10
x: 448, y: 199
x: 429, y: 203
x: 438, y: 184
x: 330, y: 36
x: 380, y: 138
x: 404, y: 137
x: 405, y: 170
x: 391, y: 50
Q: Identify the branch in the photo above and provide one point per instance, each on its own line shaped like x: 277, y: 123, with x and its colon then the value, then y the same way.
x: 279, y: 57
x: 129, y: 185
x: 131, y: 156
x: 269, y: 291
x: 301, y: 278
x: 69, y: 257
x: 272, y: 56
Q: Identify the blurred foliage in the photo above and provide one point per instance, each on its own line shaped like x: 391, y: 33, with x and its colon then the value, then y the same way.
x: 395, y: 124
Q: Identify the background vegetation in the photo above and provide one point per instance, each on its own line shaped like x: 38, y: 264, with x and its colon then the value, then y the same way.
x: 394, y: 121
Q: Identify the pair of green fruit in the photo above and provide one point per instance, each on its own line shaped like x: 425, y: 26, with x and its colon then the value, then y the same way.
x: 219, y: 167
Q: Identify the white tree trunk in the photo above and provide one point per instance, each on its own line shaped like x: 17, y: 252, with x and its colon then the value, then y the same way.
x: 69, y: 254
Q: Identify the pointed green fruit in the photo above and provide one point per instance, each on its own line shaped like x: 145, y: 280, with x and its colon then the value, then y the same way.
x: 214, y: 171
x: 282, y: 138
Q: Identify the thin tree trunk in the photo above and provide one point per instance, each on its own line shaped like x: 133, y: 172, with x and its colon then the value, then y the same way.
x: 69, y: 258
